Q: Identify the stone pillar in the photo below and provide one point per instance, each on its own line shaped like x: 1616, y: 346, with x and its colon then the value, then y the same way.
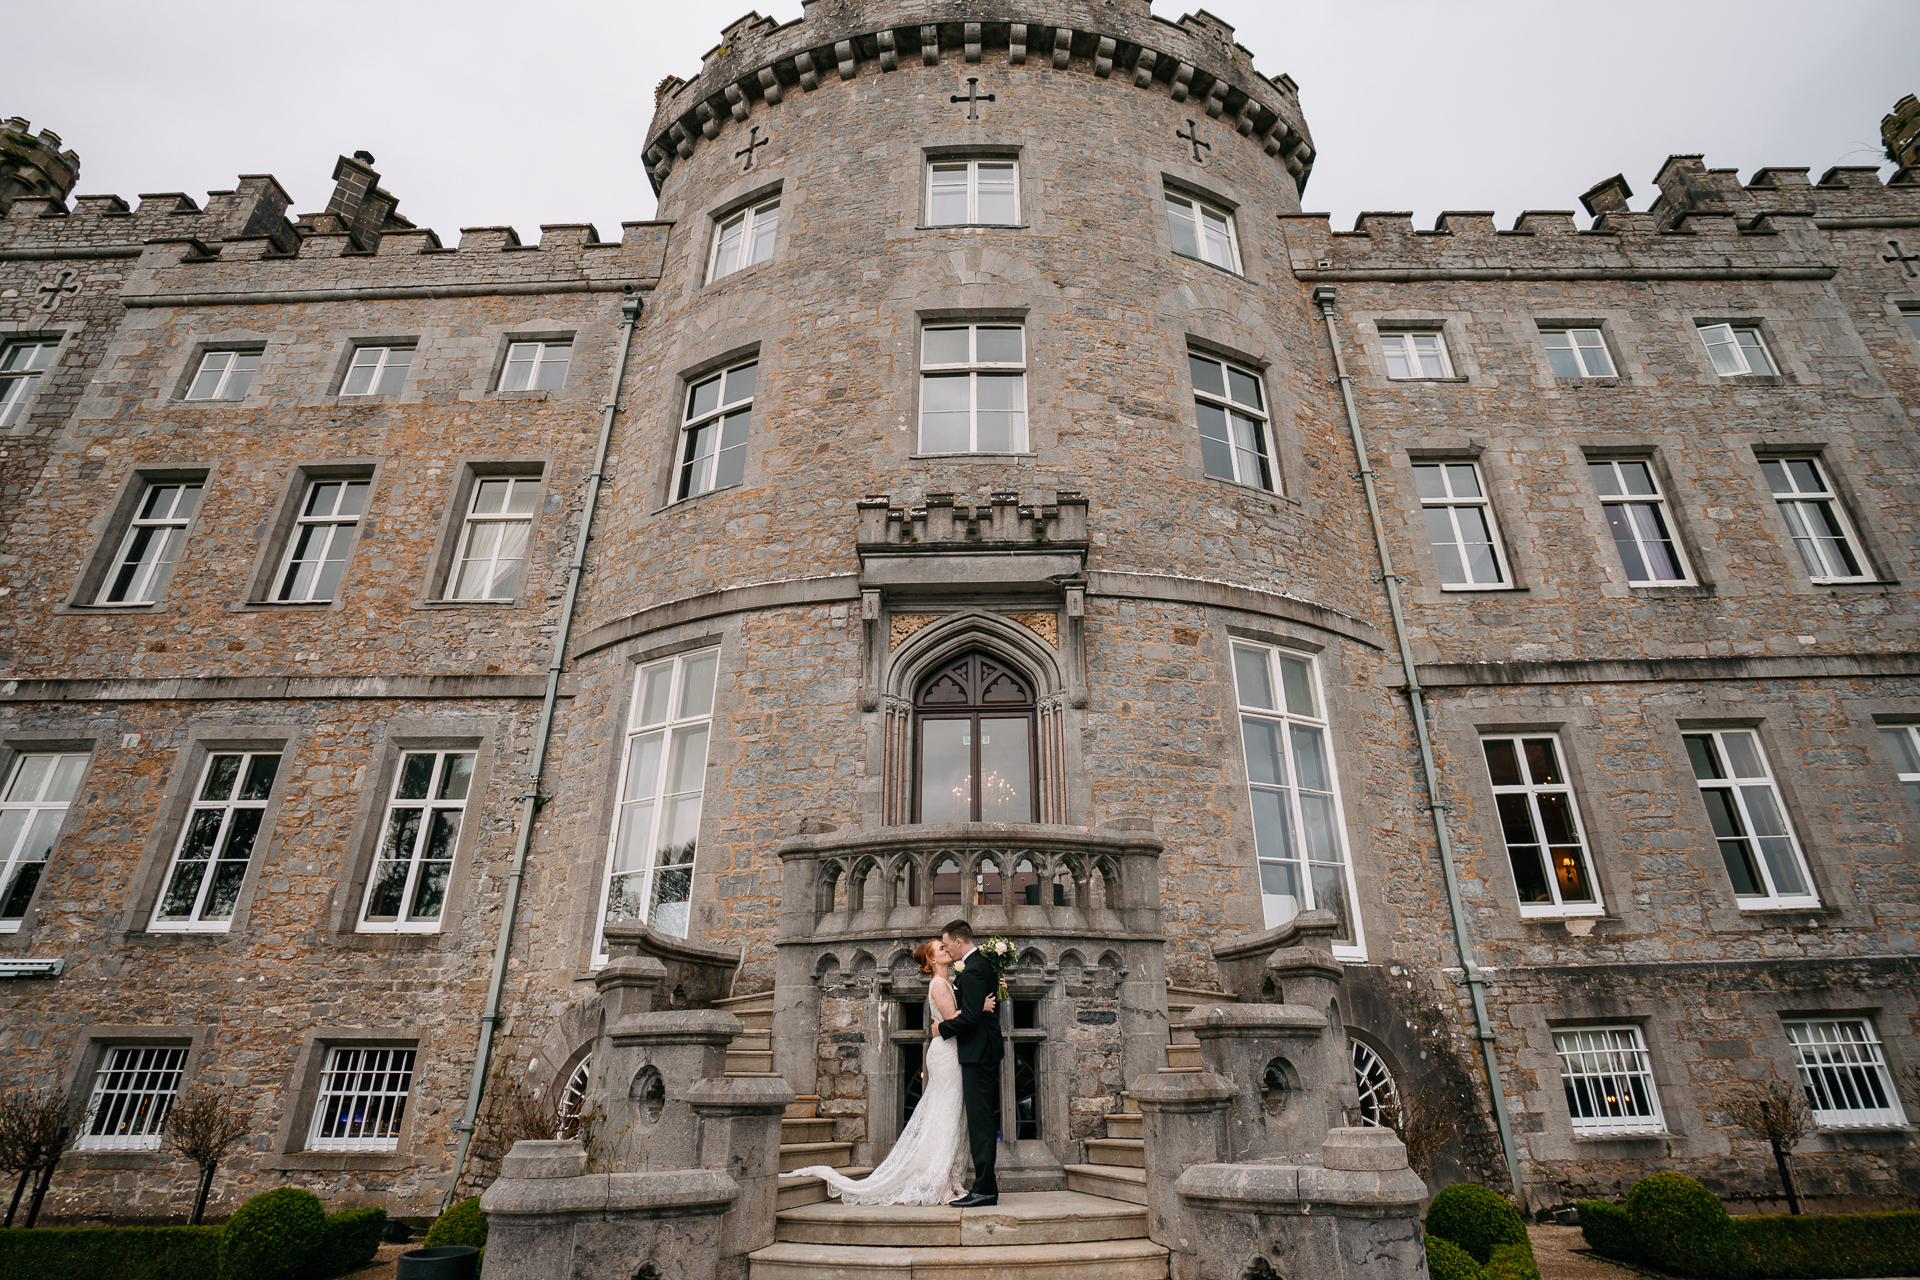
x: 1183, y: 1117
x: 549, y: 1219
x: 1288, y: 1090
x: 654, y: 1065
x: 1358, y: 1213
x: 738, y: 1126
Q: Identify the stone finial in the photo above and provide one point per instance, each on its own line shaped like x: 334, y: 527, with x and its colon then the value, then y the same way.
x: 1608, y: 196
x: 34, y: 167
x: 1900, y: 131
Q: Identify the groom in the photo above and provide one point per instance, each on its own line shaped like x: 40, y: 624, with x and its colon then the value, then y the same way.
x: 979, y: 1052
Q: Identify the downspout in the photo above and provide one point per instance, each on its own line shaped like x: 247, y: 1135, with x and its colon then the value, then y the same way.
x: 1476, y: 980
x: 530, y: 799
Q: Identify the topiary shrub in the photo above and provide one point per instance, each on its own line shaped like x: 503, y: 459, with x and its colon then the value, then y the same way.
x: 1608, y: 1230
x: 1680, y: 1226
x: 1448, y: 1261
x: 464, y: 1223
x: 1513, y: 1262
x: 277, y: 1235
x: 353, y: 1237
x: 1476, y: 1219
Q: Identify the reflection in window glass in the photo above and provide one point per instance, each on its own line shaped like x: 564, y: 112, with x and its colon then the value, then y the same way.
x: 37, y: 795
x: 1540, y: 820
x: 1232, y: 412
x: 408, y: 887
x: 1750, y: 825
x: 973, y: 389
x: 216, y: 847
x: 1460, y: 526
x: 1637, y: 517
x: 713, y: 451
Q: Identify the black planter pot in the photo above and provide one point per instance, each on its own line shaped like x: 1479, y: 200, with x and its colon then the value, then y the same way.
x: 443, y: 1262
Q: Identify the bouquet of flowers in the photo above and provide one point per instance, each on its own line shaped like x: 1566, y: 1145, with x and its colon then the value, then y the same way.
x: 1003, y: 953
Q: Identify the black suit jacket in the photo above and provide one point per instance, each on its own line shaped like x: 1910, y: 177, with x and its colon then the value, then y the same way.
x: 977, y: 1030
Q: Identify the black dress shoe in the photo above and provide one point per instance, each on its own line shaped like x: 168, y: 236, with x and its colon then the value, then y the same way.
x: 973, y: 1200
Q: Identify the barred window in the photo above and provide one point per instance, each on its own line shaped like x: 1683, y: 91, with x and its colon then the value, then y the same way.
x: 650, y: 871
x: 132, y: 1091
x: 1609, y: 1080
x: 35, y: 804
x: 1845, y: 1073
x: 1379, y: 1094
x: 363, y: 1099
x: 408, y: 887
x: 210, y: 865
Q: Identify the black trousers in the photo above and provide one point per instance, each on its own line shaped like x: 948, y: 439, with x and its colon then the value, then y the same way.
x: 980, y: 1088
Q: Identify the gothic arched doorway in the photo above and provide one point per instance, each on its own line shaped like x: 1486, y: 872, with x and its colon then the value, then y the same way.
x: 974, y: 758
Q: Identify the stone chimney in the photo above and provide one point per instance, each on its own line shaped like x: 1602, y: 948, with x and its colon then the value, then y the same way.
x: 33, y: 167
x: 1900, y: 130
x: 1610, y: 196
x: 359, y: 207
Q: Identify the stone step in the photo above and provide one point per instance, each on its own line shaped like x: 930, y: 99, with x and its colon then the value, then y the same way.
x: 806, y: 1129
x: 753, y: 1038
x: 1178, y: 1071
x: 749, y: 1062
x: 1021, y: 1218
x: 1190, y: 997
x: 1178, y: 1055
x: 796, y: 1192
x: 1095, y: 1260
x: 1122, y: 1125
x: 1131, y: 1152
x: 1181, y: 1035
x: 1109, y: 1181
x: 768, y: 1075
x: 801, y: 1155
x: 804, y: 1106
x: 755, y: 1011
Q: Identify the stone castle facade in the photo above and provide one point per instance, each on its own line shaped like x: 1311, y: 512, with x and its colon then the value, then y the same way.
x: 950, y: 505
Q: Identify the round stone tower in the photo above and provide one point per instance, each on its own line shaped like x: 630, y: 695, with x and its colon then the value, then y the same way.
x: 979, y: 467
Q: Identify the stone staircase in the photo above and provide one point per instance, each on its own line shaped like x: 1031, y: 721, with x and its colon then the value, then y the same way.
x: 806, y: 1136
x: 1116, y: 1165
x: 1053, y: 1235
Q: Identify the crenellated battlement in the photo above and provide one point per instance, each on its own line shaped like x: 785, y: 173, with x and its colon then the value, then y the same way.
x: 33, y: 165
x: 1705, y: 224
x: 759, y: 63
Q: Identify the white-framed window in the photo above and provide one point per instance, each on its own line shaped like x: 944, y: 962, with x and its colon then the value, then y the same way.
x: 377, y: 371
x: 154, y: 538
x: 1415, y: 355
x: 662, y: 784
x: 39, y: 790
x: 1298, y: 835
x: 977, y: 192
x: 1912, y: 316
x: 408, y: 888
x: 536, y: 366
x: 1636, y: 513
x: 1460, y: 527
x: 1231, y: 408
x: 216, y: 845
x: 362, y: 1099
x: 21, y: 364
x: 713, y: 441
x: 1609, y: 1080
x: 1904, y: 742
x: 1738, y: 351
x: 493, y: 542
x: 224, y: 375
x: 132, y: 1091
x: 1577, y: 353
x: 743, y: 239
x: 1814, y: 518
x: 1845, y: 1073
x: 1203, y: 232
x: 322, y: 536
x: 973, y: 389
x: 1540, y: 823
x: 1749, y: 822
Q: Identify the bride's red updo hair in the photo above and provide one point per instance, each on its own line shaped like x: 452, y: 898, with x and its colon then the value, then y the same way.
x: 924, y: 954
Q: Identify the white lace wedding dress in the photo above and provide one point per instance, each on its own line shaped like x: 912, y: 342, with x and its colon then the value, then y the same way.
x: 928, y: 1162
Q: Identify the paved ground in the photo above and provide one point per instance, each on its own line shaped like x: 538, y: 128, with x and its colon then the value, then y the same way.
x: 1553, y: 1249
x: 382, y: 1266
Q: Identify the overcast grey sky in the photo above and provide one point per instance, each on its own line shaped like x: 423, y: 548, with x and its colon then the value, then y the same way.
x: 487, y: 112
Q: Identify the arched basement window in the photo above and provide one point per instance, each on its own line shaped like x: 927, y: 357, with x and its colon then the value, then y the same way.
x: 974, y: 739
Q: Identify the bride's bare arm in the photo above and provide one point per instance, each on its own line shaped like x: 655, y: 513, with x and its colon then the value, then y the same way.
x: 943, y: 1003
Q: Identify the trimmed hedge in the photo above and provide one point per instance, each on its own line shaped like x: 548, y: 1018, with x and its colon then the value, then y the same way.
x: 1678, y: 1225
x: 1513, y: 1261
x: 110, y: 1253
x: 1608, y: 1230
x: 1448, y: 1261
x: 1476, y: 1219
x: 1831, y: 1244
x: 353, y: 1237
x: 464, y: 1223
x: 277, y: 1235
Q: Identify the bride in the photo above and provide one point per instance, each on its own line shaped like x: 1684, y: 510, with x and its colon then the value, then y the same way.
x: 927, y: 1163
